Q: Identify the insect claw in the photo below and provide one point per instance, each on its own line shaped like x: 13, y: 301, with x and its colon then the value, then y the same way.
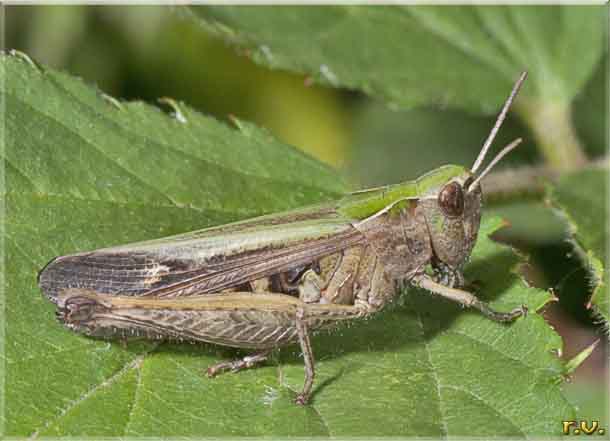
x: 301, y: 399
x: 524, y: 311
x: 521, y: 311
x: 211, y: 372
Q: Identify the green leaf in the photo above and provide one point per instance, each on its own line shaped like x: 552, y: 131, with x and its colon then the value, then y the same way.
x: 452, y: 56
x: 582, y: 199
x: 409, y: 55
x: 391, y: 146
x: 590, y: 401
x: 590, y: 111
x: 82, y: 174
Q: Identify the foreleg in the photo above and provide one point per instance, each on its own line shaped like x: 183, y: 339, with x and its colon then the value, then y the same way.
x: 469, y: 300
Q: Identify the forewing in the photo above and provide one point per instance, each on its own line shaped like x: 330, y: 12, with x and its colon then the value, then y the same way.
x: 204, y: 261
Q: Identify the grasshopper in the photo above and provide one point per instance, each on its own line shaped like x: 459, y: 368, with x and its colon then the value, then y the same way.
x: 268, y: 281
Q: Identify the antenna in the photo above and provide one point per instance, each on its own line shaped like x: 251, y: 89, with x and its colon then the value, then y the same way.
x: 499, y: 156
x: 499, y: 122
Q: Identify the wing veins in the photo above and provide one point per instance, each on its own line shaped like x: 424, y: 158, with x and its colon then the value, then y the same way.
x: 276, y: 262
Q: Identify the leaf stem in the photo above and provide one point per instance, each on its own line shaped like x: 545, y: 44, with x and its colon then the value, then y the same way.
x: 551, y: 123
x: 579, y: 358
x: 528, y: 181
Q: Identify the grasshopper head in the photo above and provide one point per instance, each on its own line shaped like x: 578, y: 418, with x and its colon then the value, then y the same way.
x: 452, y: 209
x: 451, y: 197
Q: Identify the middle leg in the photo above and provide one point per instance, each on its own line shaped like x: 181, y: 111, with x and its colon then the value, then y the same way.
x: 239, y: 364
x: 310, y: 373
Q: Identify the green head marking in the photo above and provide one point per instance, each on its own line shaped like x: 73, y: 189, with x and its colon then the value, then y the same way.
x: 436, y: 179
x: 362, y: 205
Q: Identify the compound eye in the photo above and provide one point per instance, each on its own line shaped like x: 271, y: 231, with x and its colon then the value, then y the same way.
x: 451, y: 199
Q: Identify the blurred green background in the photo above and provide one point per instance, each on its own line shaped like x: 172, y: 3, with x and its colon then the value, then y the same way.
x: 148, y: 52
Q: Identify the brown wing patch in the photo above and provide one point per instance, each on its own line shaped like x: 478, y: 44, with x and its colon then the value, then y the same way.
x: 139, y: 273
x: 256, y: 264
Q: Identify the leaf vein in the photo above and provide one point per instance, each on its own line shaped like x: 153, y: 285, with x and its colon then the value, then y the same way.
x: 437, y: 382
x: 75, y: 403
x: 481, y: 400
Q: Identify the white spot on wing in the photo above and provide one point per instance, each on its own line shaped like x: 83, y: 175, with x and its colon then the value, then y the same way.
x: 153, y: 274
